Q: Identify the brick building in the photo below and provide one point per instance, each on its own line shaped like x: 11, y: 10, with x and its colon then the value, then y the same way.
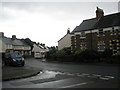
x: 100, y: 33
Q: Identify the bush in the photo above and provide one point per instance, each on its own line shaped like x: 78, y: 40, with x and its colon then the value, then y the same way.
x: 115, y: 58
x: 107, y: 53
x: 90, y: 56
x: 86, y: 56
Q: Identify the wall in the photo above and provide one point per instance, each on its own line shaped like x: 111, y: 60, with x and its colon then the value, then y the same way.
x: 2, y: 47
x: 64, y: 42
x: 36, y: 48
x: 94, y: 38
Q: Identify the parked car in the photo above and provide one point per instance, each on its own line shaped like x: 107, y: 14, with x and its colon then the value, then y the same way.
x: 14, y: 58
x: 40, y: 54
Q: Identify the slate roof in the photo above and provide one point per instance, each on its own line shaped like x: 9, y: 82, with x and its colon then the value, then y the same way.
x: 16, y: 42
x: 109, y: 21
x: 104, y: 22
x: 86, y: 25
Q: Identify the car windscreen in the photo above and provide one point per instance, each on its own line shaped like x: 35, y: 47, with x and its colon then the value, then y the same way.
x: 16, y: 55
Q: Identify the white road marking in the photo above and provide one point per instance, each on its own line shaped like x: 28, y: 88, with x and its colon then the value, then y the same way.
x: 70, y: 74
x: 97, y: 75
x: 84, y: 74
x: 109, y: 76
x: 103, y: 78
x: 80, y: 75
x: 74, y: 85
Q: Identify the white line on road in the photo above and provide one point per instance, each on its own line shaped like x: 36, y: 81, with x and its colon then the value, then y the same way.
x: 103, y: 78
x: 109, y: 76
x: 70, y: 74
x: 74, y: 85
x: 85, y: 74
x: 97, y: 75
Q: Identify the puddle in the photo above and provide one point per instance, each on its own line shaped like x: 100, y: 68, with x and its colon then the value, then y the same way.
x: 51, y: 73
x: 46, y: 74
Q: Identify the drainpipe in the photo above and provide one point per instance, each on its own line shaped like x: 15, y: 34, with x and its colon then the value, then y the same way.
x: 91, y: 39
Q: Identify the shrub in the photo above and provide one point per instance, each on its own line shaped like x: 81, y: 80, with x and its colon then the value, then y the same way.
x: 107, y: 53
x: 90, y: 56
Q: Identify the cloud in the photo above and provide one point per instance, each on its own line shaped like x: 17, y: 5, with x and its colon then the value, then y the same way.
x: 45, y: 22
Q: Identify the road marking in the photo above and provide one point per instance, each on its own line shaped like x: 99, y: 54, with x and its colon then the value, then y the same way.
x: 109, y: 77
x: 80, y: 75
x: 96, y: 75
x: 103, y: 78
x: 85, y: 74
x: 74, y: 85
x: 70, y: 74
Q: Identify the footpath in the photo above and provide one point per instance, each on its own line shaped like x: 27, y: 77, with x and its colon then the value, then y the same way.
x: 11, y: 73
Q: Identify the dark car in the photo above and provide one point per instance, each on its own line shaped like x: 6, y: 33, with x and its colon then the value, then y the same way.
x: 14, y: 58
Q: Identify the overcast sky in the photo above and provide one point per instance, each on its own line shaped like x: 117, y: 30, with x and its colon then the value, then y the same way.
x: 47, y: 22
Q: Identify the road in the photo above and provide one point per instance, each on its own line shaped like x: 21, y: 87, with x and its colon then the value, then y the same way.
x: 68, y: 75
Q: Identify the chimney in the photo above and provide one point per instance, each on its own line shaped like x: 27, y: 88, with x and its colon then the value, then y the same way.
x: 1, y: 34
x: 13, y: 37
x: 68, y: 31
x: 99, y: 13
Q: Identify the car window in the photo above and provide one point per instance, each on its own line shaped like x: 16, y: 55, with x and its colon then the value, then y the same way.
x: 15, y: 55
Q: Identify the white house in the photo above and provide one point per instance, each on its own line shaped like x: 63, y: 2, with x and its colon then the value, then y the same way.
x: 65, y: 41
x: 13, y: 44
x: 38, y: 48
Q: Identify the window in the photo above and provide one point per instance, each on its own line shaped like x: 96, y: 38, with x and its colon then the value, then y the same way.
x: 82, y: 34
x: 83, y: 45
x: 101, y: 33
x: 113, y: 31
x: 114, y: 44
x: 101, y: 46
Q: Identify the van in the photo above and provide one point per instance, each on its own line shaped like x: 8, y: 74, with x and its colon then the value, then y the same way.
x: 40, y: 54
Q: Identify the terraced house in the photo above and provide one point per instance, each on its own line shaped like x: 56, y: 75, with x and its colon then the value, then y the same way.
x: 13, y: 44
x: 99, y: 33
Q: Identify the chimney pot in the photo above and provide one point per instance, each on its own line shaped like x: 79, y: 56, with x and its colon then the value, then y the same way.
x: 13, y: 37
x: 1, y: 34
x: 99, y: 13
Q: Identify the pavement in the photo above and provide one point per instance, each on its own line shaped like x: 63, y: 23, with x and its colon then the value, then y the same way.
x: 12, y: 73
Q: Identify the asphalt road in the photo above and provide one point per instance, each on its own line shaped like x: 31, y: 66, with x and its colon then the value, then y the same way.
x: 68, y: 75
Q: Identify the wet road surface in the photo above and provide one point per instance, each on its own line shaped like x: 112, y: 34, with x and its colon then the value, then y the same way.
x: 60, y: 76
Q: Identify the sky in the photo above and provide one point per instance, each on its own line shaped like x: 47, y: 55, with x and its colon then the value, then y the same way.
x: 47, y: 22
